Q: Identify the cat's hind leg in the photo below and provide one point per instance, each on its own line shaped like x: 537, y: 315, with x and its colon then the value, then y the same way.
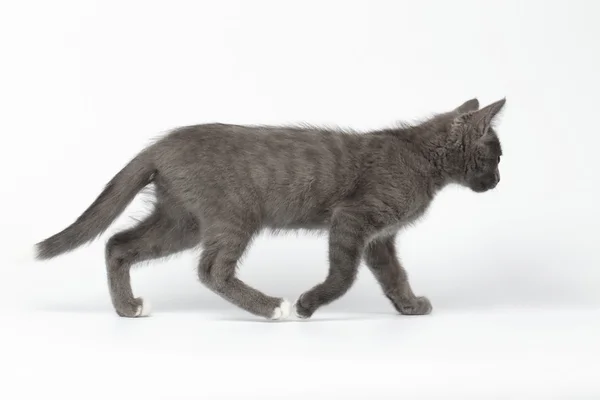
x: 224, y: 244
x: 164, y: 232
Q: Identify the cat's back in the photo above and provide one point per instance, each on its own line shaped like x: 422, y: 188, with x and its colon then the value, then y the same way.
x: 232, y: 134
x: 221, y: 142
x: 214, y: 134
x: 301, y: 167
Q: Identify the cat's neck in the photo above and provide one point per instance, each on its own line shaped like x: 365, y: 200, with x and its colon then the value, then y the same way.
x: 439, y: 153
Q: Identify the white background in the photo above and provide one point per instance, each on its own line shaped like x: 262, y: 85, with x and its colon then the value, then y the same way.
x: 513, y: 274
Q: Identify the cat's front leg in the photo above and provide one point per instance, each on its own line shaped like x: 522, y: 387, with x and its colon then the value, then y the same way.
x: 381, y: 258
x: 347, y: 236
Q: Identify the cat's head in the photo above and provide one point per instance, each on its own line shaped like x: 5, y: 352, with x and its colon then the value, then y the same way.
x: 480, y: 146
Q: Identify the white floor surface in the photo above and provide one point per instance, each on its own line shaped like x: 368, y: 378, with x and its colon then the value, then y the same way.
x: 196, y: 354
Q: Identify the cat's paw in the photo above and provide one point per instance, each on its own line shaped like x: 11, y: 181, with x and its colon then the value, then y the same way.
x: 301, y: 311
x: 283, y: 311
x: 144, y: 309
x: 133, y: 309
x: 416, y: 306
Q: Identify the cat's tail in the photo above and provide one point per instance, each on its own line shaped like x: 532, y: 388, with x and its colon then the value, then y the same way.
x: 113, y: 200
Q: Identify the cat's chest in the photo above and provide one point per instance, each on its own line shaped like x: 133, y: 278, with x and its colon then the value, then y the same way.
x: 403, y: 218
x: 408, y: 205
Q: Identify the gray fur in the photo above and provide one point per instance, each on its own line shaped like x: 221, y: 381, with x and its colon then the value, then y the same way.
x: 219, y: 185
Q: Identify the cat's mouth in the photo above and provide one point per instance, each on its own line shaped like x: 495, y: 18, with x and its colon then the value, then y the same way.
x: 481, y: 187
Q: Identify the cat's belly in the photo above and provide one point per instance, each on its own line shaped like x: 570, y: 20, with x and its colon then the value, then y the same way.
x: 290, y: 221
x: 284, y: 217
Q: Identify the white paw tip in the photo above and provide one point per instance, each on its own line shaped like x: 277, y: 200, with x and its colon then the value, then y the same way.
x: 144, y: 310
x: 283, y: 311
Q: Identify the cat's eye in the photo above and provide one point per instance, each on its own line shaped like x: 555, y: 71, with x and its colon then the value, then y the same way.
x: 498, y: 159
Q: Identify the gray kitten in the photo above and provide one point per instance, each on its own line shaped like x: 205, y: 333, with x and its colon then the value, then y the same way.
x: 220, y: 185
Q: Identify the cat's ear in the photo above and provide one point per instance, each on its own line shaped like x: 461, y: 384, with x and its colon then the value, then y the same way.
x: 482, y: 119
x: 467, y: 106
